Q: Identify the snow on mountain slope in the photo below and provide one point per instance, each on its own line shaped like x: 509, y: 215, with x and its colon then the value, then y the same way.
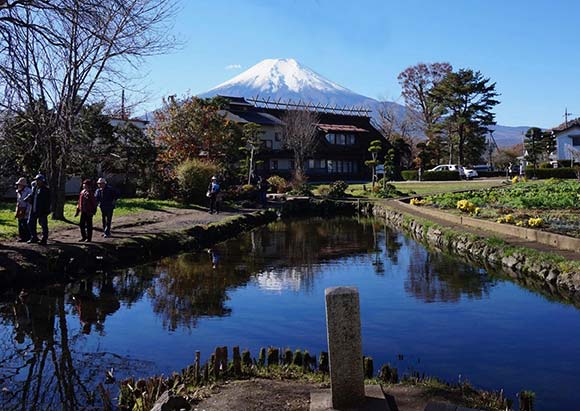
x: 287, y: 79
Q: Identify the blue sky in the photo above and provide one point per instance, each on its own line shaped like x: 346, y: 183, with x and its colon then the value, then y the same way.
x: 529, y: 48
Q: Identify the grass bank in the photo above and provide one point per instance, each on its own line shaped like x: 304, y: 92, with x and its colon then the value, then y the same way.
x: 127, y: 206
x: 417, y: 187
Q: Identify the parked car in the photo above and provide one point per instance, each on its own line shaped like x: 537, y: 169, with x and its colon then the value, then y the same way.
x: 482, y: 167
x: 467, y: 173
x: 470, y: 173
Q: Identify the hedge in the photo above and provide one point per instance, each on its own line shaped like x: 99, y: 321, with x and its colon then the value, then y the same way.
x: 409, y: 175
x: 544, y: 173
x: 491, y: 173
x: 441, y: 175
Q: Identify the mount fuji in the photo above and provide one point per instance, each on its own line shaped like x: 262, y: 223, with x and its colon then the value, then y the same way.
x: 287, y: 79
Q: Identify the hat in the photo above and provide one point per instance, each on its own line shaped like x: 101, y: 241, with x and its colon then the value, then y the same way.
x: 21, y: 182
x: 88, y: 182
x: 101, y: 180
x: 40, y: 177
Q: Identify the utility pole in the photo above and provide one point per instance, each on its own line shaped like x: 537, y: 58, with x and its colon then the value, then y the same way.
x: 566, y: 115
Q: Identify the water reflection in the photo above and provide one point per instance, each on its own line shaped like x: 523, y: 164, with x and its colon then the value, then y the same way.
x: 50, y: 356
x: 435, y: 277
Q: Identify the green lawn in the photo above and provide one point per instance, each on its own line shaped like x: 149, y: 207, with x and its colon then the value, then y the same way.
x: 419, y: 188
x: 9, y: 225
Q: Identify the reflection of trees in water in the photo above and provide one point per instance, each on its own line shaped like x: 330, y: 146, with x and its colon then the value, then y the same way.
x: 42, y: 360
x: 434, y: 277
x: 285, y: 254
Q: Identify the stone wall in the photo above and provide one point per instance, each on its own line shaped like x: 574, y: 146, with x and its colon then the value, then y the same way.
x: 535, y: 270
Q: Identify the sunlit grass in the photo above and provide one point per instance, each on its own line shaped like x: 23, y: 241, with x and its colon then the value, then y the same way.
x: 418, y: 188
x: 9, y: 225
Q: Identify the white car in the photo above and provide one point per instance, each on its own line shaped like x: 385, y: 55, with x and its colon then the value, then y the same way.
x: 467, y: 173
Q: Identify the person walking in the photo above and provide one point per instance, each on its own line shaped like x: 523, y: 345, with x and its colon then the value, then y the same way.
x: 107, y: 198
x: 86, y: 207
x: 23, y: 209
x: 213, y: 191
x: 39, y: 200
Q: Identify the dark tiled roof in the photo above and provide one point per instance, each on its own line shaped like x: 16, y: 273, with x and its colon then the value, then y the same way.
x: 237, y: 101
x: 253, y: 117
x: 341, y: 127
x: 569, y: 125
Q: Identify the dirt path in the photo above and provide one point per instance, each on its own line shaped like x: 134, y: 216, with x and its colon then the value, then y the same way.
x: 146, y: 222
x: 271, y: 395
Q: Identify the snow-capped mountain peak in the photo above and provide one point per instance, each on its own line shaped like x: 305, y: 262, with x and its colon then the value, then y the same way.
x: 274, y: 76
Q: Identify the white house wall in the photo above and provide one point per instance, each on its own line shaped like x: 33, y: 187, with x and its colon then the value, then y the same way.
x: 564, y: 139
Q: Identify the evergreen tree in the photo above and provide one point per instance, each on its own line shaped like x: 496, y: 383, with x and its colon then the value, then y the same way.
x: 467, y: 99
x: 538, y: 145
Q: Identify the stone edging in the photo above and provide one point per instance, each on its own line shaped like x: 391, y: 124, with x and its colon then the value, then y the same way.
x: 559, y: 241
x: 529, y: 268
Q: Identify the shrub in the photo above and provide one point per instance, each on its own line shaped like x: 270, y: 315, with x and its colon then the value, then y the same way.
x: 543, y: 173
x: 390, y: 191
x: 441, y: 176
x: 337, y: 189
x: 409, y: 175
x: 278, y: 184
x: 193, y: 178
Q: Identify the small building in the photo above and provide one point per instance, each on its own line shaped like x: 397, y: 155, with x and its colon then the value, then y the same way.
x: 344, y: 136
x: 568, y: 140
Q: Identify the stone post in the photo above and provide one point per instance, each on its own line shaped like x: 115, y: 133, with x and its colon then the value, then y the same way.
x: 345, y: 347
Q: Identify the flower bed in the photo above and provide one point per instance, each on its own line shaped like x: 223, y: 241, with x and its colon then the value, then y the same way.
x: 552, y: 205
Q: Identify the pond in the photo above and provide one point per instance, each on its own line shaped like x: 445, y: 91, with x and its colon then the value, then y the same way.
x: 421, y: 311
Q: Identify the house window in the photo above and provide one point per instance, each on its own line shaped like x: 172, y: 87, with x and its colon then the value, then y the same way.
x: 310, y: 163
x: 273, y: 164
x: 575, y: 140
x: 277, y: 136
x: 330, y: 166
x: 350, y: 139
x: 330, y: 138
x: 267, y: 144
x: 340, y: 139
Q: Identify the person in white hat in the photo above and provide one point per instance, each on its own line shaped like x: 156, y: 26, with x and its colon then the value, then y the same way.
x: 22, y: 209
x: 213, y: 191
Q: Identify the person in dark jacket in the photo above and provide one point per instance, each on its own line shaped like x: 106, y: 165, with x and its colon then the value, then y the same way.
x: 106, y: 199
x: 86, y: 207
x: 40, y: 201
x: 213, y: 191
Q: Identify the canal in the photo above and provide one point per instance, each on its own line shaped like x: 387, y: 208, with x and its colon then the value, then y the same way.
x: 421, y: 311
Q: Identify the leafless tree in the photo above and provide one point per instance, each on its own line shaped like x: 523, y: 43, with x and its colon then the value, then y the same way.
x: 58, y: 55
x: 299, y: 134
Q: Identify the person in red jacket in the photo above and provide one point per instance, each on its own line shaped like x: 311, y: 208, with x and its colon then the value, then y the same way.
x: 86, y: 207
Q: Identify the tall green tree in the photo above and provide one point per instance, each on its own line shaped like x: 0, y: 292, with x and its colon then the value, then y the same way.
x: 538, y: 145
x: 375, y: 148
x: 467, y: 99
x: 251, y: 134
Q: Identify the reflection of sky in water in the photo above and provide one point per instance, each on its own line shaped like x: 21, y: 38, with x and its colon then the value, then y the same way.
x: 267, y: 288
